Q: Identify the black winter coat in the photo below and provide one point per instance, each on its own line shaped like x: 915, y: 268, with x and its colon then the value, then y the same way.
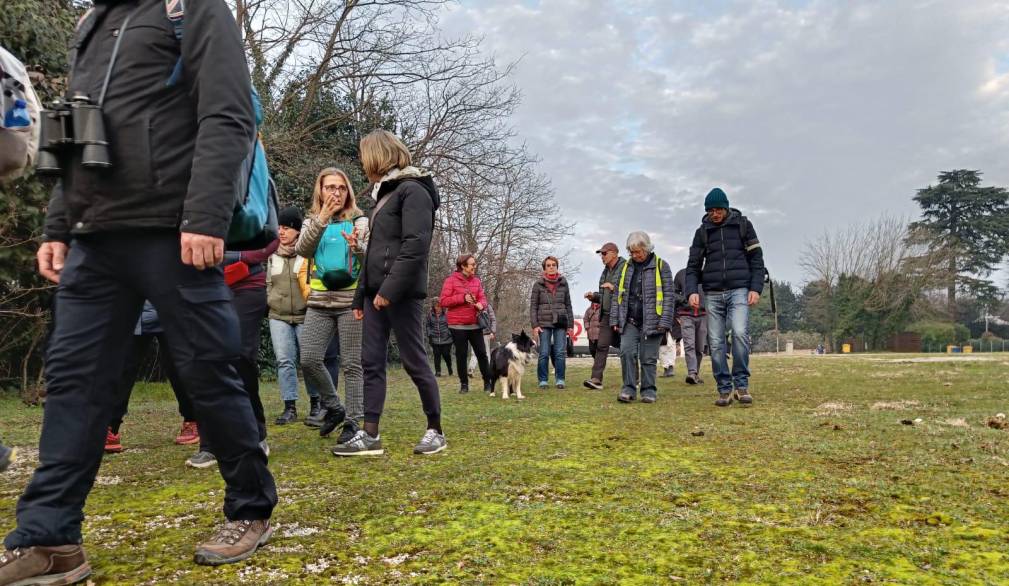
x: 395, y: 264
x: 176, y: 151
x: 546, y: 308
x: 726, y: 262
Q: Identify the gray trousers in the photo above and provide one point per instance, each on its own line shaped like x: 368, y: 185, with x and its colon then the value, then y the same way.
x: 695, y: 335
x: 319, y: 328
x: 638, y: 353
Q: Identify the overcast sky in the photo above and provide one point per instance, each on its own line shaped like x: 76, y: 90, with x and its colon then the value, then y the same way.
x: 809, y: 114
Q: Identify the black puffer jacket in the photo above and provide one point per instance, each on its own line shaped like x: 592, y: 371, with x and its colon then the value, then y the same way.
x: 726, y: 262
x: 546, y: 308
x: 395, y: 264
x: 176, y: 151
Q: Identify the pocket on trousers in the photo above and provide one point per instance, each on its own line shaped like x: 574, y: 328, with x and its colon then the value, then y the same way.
x: 211, y: 324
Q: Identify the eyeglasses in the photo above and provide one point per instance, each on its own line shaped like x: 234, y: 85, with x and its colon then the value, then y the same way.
x: 332, y: 188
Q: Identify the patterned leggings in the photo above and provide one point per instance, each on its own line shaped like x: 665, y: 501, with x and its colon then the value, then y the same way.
x: 319, y: 328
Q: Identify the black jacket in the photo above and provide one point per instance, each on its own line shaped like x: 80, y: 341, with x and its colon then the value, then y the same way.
x: 546, y: 309
x: 395, y: 264
x: 176, y: 151
x: 725, y: 262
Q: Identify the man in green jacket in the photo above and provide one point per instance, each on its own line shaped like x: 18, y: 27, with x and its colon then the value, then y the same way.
x: 613, y: 263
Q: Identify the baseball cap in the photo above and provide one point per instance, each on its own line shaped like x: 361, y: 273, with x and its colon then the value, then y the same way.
x: 609, y: 246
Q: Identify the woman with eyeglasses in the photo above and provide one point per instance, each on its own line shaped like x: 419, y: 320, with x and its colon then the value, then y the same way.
x: 333, y: 239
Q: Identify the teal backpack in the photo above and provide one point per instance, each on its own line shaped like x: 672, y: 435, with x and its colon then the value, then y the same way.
x: 254, y: 219
x: 334, y: 266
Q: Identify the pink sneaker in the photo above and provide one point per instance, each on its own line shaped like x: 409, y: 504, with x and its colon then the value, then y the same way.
x: 189, y: 435
x: 113, y: 442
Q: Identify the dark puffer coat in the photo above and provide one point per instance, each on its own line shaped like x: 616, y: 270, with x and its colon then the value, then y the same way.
x: 546, y: 308
x: 725, y: 262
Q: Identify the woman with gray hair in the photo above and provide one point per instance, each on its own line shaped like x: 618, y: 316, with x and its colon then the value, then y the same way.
x: 642, y: 314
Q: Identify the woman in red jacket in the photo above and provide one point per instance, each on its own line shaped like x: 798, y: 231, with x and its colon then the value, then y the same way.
x: 463, y: 296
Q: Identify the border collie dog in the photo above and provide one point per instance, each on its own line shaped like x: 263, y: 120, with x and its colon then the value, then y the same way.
x: 508, y: 363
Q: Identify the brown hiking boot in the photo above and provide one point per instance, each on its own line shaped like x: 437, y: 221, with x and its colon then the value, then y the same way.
x: 63, y: 564
x: 743, y: 396
x: 234, y: 542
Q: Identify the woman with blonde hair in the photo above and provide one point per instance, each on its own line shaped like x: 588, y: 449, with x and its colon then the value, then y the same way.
x: 333, y: 238
x: 393, y: 286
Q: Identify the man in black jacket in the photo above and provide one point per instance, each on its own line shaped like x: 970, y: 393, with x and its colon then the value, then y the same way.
x: 151, y: 226
x: 726, y: 259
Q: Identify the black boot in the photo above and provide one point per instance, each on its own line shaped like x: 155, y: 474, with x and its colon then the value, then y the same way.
x: 290, y: 414
x: 313, y: 408
x: 335, y: 414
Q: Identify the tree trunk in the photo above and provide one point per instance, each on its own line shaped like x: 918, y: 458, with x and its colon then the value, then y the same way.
x: 951, y: 288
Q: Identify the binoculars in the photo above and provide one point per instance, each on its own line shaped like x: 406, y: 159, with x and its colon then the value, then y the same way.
x: 66, y: 125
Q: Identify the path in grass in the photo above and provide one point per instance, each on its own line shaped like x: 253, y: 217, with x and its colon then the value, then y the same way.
x: 818, y: 483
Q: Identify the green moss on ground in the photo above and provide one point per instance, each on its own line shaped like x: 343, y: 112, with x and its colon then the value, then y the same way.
x: 818, y: 483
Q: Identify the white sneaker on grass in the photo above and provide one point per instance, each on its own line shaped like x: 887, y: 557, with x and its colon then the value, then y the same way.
x: 361, y: 444
x: 432, y: 443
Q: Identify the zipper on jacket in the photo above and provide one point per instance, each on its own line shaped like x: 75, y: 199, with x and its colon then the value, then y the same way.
x: 725, y: 267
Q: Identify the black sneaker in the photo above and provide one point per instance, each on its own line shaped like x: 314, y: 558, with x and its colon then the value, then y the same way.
x: 488, y: 387
x: 743, y: 396
x: 625, y: 397
x: 593, y: 384
x: 724, y: 399
x: 648, y: 397
x: 350, y: 429
x: 692, y: 379
x: 317, y: 419
x: 668, y: 372
x: 290, y: 415
x: 314, y: 407
x: 463, y: 389
x: 335, y: 415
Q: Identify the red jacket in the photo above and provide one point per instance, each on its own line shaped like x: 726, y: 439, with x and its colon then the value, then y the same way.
x: 453, y: 298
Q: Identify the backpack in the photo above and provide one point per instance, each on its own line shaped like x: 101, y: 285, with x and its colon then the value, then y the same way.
x: 254, y: 220
x: 334, y: 266
x: 19, y: 142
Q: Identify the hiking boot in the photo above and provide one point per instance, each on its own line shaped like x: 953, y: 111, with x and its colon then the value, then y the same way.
x: 201, y: 459
x: 61, y: 564
x: 234, y: 542
x: 668, y: 372
x: 290, y: 414
x: 692, y: 379
x: 313, y: 407
x: 350, y: 429
x: 625, y: 397
x: 648, y: 396
x: 7, y: 456
x: 113, y: 442
x: 361, y: 444
x: 724, y: 399
x: 189, y: 434
x: 432, y: 443
x: 463, y: 389
x: 317, y: 419
x: 335, y: 415
x: 743, y: 396
x: 593, y: 384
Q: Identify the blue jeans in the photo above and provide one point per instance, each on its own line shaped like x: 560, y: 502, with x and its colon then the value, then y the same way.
x: 552, y: 340
x: 287, y: 350
x: 729, y: 306
x: 638, y: 354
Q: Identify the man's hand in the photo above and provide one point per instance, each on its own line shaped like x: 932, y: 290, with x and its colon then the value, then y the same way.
x: 752, y: 298
x: 571, y: 333
x: 589, y: 295
x: 358, y: 314
x: 537, y: 331
x: 492, y: 336
x: 379, y: 302
x: 51, y: 257
x: 695, y: 301
x: 201, y: 251
x: 608, y: 286
x: 616, y: 329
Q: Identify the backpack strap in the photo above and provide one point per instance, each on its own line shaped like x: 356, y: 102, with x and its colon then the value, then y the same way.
x: 175, y: 10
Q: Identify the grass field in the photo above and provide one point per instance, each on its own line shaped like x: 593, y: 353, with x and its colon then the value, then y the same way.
x: 818, y: 483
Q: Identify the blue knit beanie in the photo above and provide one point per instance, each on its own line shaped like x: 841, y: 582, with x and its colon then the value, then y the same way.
x: 716, y: 198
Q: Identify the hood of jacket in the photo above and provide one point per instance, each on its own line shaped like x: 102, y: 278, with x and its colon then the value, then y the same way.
x: 393, y: 178
x: 732, y: 219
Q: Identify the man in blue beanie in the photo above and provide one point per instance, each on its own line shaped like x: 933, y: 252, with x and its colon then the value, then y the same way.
x: 727, y: 260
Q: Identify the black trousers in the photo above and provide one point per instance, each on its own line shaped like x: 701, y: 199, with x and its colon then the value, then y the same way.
x: 406, y: 318
x: 442, y: 352
x: 99, y: 298
x: 462, y: 340
x: 141, y: 344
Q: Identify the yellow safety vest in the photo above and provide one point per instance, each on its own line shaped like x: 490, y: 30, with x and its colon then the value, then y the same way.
x: 659, y: 296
